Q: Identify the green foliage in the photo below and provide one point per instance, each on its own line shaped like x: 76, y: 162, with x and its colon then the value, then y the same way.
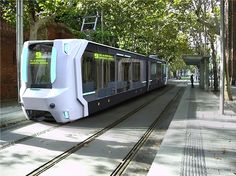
x: 161, y: 27
x: 8, y: 9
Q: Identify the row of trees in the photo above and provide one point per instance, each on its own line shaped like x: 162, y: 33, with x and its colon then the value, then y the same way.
x: 168, y: 28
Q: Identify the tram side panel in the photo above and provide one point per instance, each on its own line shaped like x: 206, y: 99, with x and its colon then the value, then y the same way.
x: 109, y: 77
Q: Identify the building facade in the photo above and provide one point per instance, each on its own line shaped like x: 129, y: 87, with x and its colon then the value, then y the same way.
x: 8, y: 61
x: 8, y: 71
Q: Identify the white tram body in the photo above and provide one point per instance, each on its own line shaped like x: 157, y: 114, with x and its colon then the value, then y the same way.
x: 68, y: 79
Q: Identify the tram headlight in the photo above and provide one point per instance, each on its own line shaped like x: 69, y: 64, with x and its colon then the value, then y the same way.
x: 66, y: 114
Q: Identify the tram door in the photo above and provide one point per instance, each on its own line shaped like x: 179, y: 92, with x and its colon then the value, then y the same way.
x: 123, y: 73
x: 126, y: 78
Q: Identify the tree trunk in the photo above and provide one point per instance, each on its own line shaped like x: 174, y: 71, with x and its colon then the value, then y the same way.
x: 214, y: 63
x: 228, y: 90
x: 39, y: 29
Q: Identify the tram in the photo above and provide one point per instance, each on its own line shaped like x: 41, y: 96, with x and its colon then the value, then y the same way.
x: 68, y: 79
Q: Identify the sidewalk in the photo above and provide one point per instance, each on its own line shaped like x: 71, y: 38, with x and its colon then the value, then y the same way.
x: 229, y: 104
x: 10, y: 112
x: 199, y: 141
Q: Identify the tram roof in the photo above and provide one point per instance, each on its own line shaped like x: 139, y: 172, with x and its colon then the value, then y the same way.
x: 122, y: 51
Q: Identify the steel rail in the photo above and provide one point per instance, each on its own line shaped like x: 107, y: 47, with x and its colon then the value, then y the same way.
x: 13, y: 142
x: 129, y: 157
x: 80, y: 145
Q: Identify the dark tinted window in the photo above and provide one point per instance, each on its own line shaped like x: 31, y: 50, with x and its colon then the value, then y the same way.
x: 39, y: 65
x: 98, y: 75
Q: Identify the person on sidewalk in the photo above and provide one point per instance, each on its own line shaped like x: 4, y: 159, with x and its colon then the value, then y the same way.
x: 191, y: 79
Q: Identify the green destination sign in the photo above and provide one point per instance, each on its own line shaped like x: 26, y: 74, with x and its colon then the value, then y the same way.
x: 103, y: 56
x: 38, y: 60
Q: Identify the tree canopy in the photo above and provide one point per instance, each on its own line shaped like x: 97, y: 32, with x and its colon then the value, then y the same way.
x: 168, y: 28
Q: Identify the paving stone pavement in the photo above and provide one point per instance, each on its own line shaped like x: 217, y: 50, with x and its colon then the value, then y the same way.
x: 199, y: 141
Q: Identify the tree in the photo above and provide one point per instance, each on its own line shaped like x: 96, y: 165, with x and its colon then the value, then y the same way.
x: 208, y: 14
x: 147, y: 27
x: 39, y: 13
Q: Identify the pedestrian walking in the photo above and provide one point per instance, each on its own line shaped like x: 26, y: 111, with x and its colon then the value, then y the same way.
x: 191, y: 79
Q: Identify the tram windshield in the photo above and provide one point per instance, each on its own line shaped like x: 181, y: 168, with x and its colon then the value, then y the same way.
x: 39, y: 65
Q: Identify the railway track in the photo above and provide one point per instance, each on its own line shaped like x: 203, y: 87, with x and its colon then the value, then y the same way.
x: 84, y: 143
x: 13, y: 142
x: 15, y: 125
x: 88, y: 140
x: 93, y: 136
x: 10, y: 143
x: 132, y: 153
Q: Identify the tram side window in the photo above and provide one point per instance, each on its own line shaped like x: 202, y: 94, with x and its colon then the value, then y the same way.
x: 98, y: 73
x: 108, y: 72
x: 136, y: 71
x: 105, y: 74
x: 159, y: 71
x: 137, y: 74
x: 88, y: 73
x: 163, y: 66
x: 123, y: 74
x: 153, y: 70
